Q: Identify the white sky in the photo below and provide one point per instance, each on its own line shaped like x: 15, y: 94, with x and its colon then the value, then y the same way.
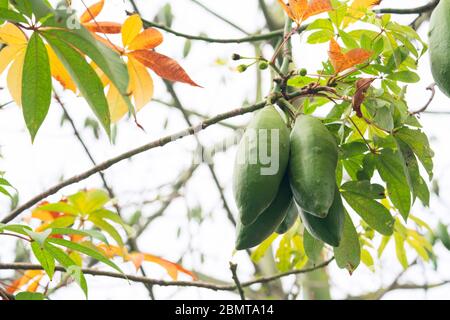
x: 56, y: 154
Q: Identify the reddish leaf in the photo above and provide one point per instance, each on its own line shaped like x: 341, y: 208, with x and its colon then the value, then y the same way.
x: 362, y: 85
x: 104, y: 27
x: 163, y: 66
x: 92, y: 12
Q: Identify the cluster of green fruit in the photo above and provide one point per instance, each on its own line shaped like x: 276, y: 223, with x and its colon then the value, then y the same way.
x: 304, y: 184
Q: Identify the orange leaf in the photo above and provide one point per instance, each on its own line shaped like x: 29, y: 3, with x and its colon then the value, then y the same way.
x: 136, y: 258
x: 172, y: 268
x: 300, y: 10
x: 104, y: 27
x: 92, y: 12
x: 316, y: 7
x: 25, y: 279
x: 35, y: 284
x: 343, y: 61
x: 358, y: 9
x: 148, y: 39
x: 163, y: 66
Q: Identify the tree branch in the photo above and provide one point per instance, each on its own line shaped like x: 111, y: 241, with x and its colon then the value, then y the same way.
x: 417, y: 10
x: 163, y: 283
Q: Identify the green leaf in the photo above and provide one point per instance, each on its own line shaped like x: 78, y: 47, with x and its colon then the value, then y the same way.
x: 392, y: 169
x: 29, y: 296
x: 418, y: 142
x: 11, y: 16
x: 404, y: 76
x: 17, y: 228
x: 85, y: 77
x: 400, y: 250
x: 71, y: 267
x: 419, y: 186
x: 24, y: 6
x: 321, y: 24
x: 86, y: 250
x: 367, y: 259
x: 187, y: 48
x: 443, y: 235
x: 384, y: 242
x: 89, y: 201
x: 87, y: 233
x: 349, y: 42
x: 59, y: 207
x: 45, y: 259
x: 40, y: 8
x: 107, y: 227
x: 313, y: 247
x: 348, y: 254
x: 320, y: 36
x: 364, y: 188
x: 104, y: 57
x: 37, y: 84
x: 373, y: 213
x: 77, y: 274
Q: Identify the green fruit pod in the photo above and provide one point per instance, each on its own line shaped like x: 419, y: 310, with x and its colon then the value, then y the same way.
x: 439, y: 41
x: 289, y: 219
x: 260, y: 165
x: 328, y: 229
x: 251, y: 235
x: 312, y: 165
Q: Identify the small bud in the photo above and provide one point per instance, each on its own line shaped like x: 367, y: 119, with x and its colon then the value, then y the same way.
x: 303, y: 72
x: 263, y: 65
x: 235, y: 57
x: 241, y: 68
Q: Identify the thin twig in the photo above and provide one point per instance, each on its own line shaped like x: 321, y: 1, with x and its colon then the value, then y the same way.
x: 431, y: 88
x: 233, y: 268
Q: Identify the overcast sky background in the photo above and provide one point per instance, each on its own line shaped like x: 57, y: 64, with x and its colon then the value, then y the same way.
x: 56, y: 154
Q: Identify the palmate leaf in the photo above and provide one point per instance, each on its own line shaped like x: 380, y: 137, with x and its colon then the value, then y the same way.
x: 85, y: 77
x: 37, y: 84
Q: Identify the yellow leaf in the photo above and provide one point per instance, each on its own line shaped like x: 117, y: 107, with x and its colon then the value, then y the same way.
x: 131, y: 28
x: 35, y: 284
x: 117, y: 106
x: 357, y: 10
x: 59, y: 72
x: 7, y: 55
x: 141, y: 84
x: 14, y: 78
x: 12, y: 35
